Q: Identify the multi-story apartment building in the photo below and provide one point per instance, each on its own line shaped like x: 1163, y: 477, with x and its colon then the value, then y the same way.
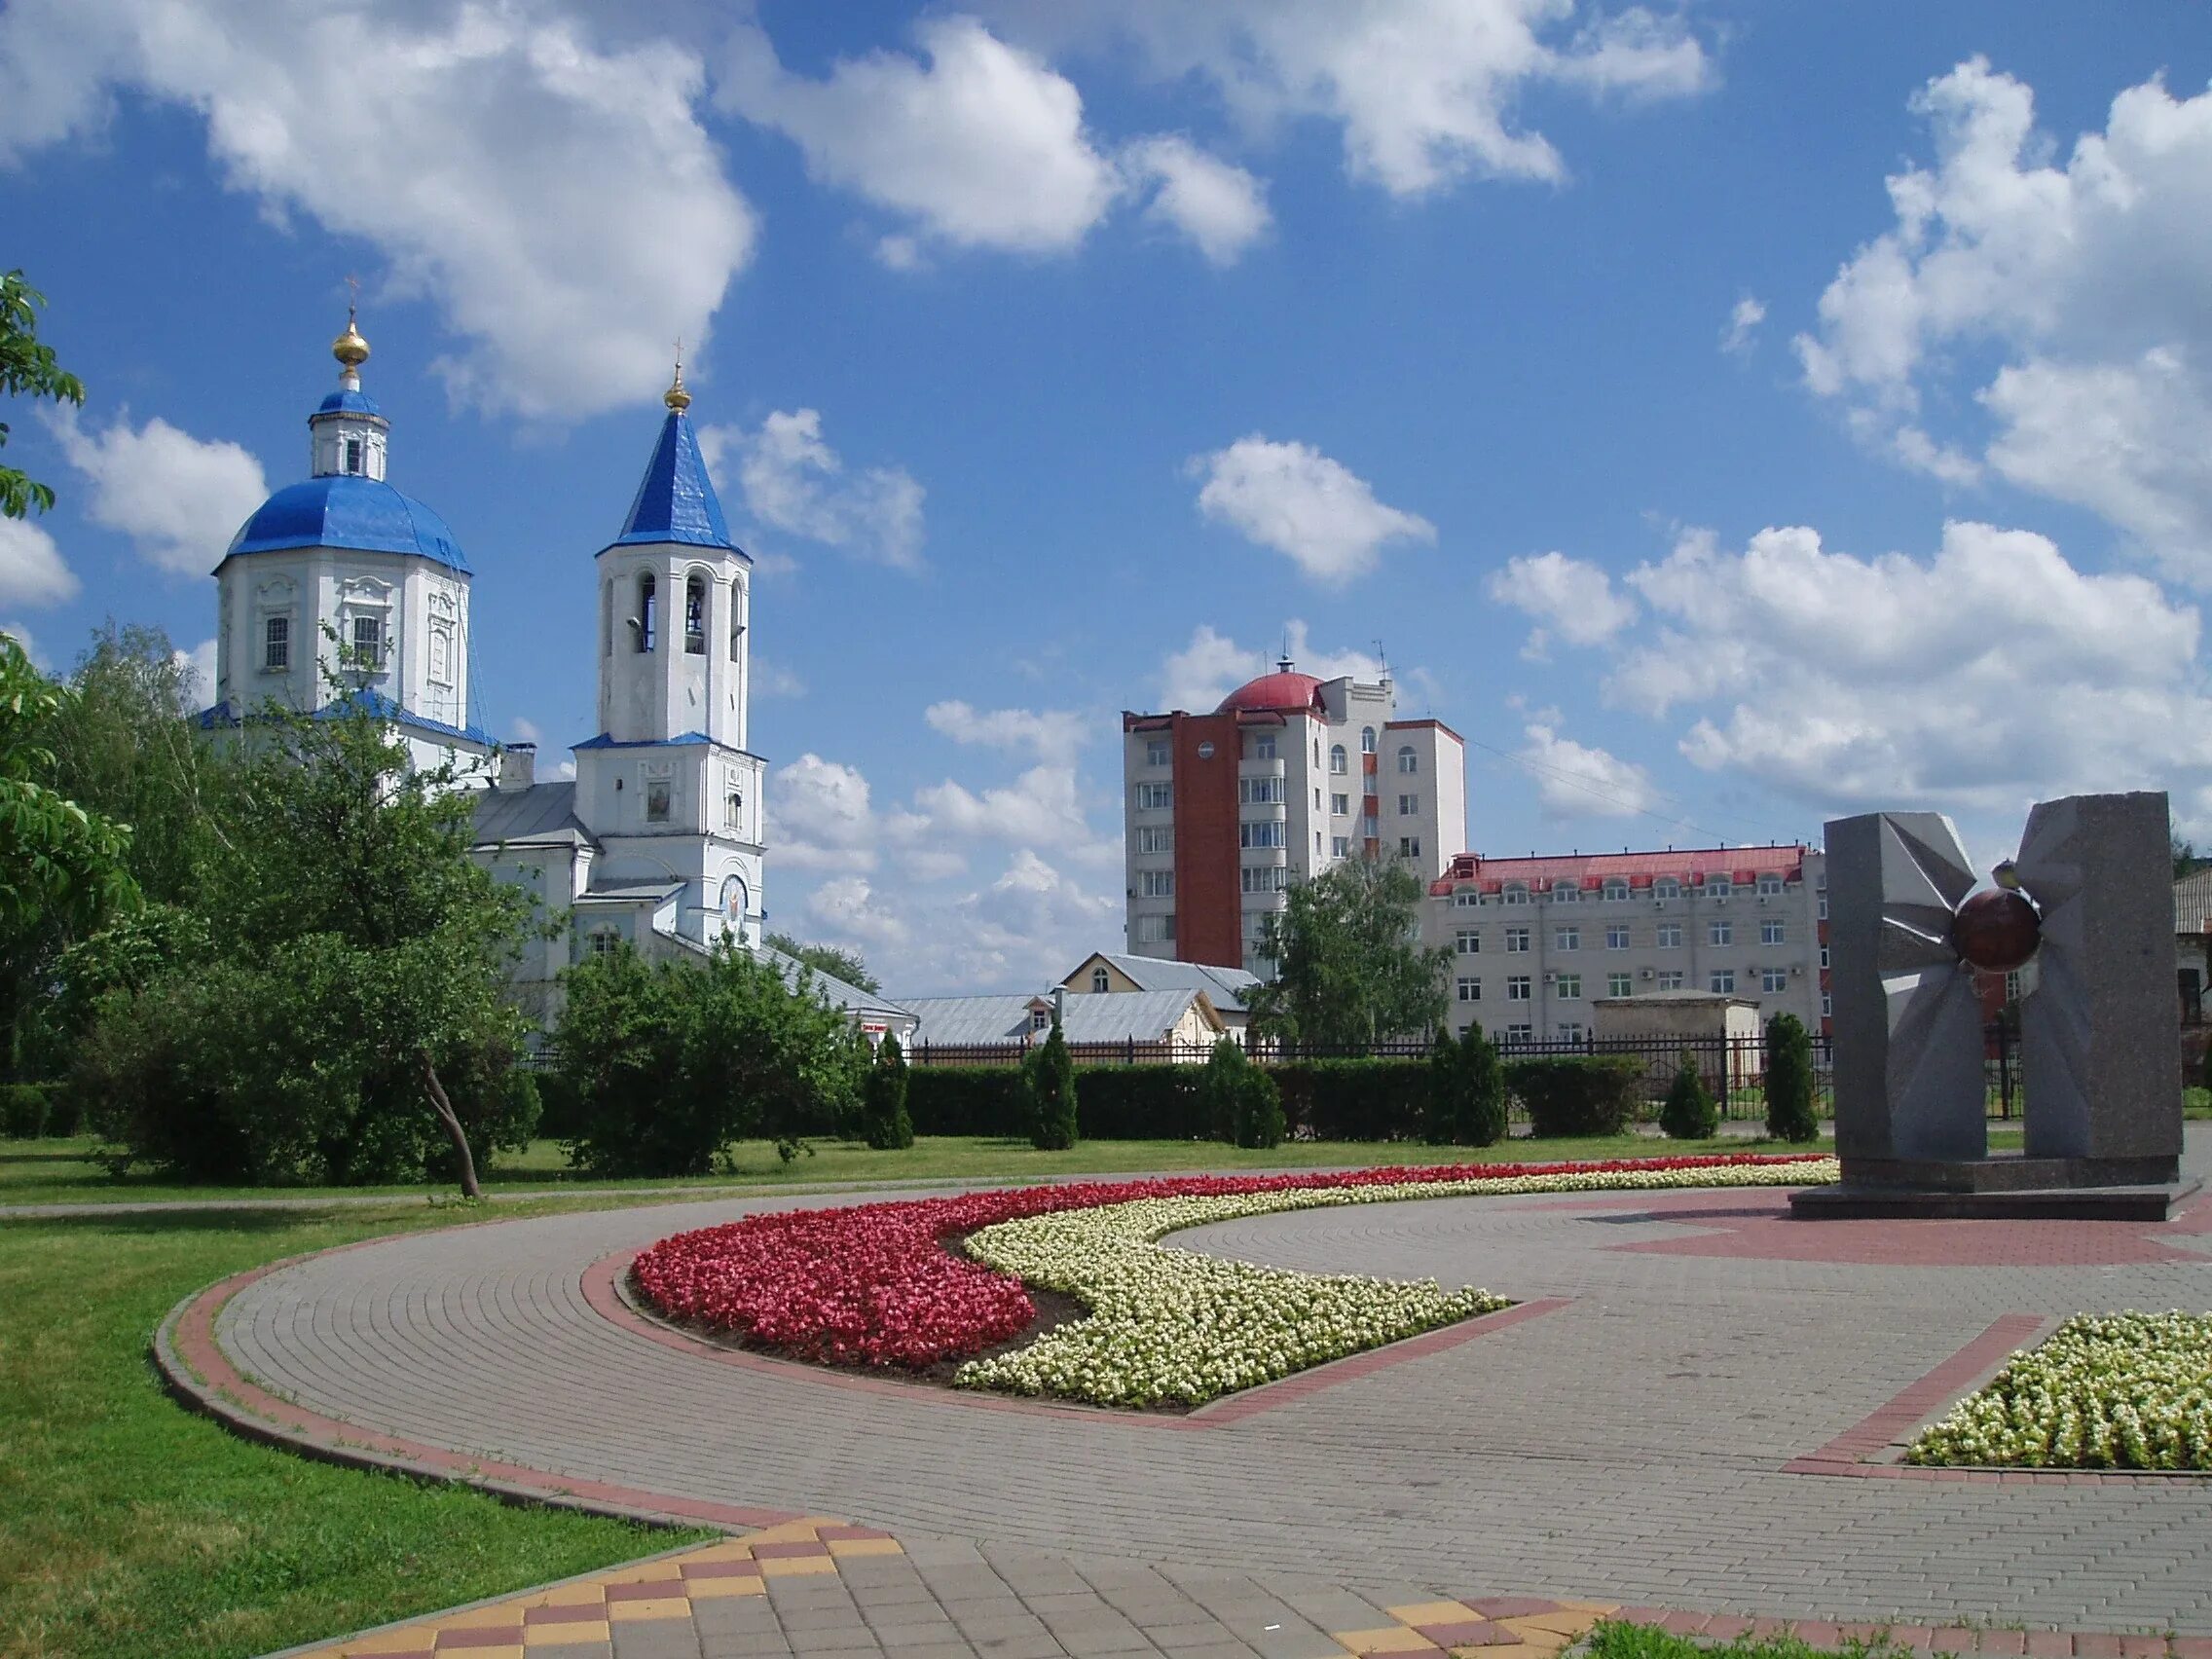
x: 1288, y: 776
x: 1536, y: 941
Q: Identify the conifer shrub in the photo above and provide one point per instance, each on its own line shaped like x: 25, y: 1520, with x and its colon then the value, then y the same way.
x: 1576, y: 1094
x: 1241, y: 1102
x: 1049, y: 1073
x: 1483, y: 1110
x: 1788, y: 1081
x: 883, y: 1110
x: 1690, y: 1113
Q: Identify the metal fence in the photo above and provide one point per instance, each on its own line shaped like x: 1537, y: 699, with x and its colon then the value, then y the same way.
x: 1732, y: 1066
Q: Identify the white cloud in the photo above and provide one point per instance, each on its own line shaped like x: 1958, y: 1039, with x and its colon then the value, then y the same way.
x: 1568, y: 595
x: 178, y: 498
x: 795, y: 481
x: 1990, y: 674
x: 1212, y: 665
x: 1292, y: 497
x: 848, y: 908
x: 1576, y: 781
x: 819, y: 816
x: 1220, y: 207
x: 2085, y: 280
x: 1040, y: 808
x: 1424, y: 91
x: 524, y: 731
x: 199, y: 663
x: 32, y: 570
x: 1743, y: 325
x: 980, y: 146
x: 773, y: 679
x: 556, y: 201
x: 1049, y: 734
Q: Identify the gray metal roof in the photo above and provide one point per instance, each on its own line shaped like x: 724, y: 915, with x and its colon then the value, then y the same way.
x: 540, y: 812
x: 1224, y: 988
x: 655, y: 886
x: 1143, y: 1016
x: 851, y: 998
x: 2193, y: 903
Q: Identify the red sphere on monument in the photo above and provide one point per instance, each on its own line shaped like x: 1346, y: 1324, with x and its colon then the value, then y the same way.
x: 1996, y: 930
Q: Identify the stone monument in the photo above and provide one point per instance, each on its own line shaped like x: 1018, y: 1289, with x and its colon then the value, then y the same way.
x: 2088, y: 900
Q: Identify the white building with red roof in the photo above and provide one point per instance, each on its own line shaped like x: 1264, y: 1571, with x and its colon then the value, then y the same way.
x: 1288, y: 776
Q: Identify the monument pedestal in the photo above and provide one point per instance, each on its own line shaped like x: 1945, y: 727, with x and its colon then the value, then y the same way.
x: 2014, y: 1187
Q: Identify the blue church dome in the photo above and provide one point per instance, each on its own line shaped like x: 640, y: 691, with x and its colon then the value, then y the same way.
x: 344, y: 510
x: 348, y: 402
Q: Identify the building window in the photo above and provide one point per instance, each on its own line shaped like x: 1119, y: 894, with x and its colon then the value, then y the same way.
x: 368, y: 642
x: 604, y: 942
x: 1408, y: 805
x: 1408, y: 760
x: 1517, y: 987
x: 1827, y: 1007
x: 1770, y: 886
x: 1157, y: 929
x: 1824, y: 956
x: 1770, y: 933
x: 1466, y: 897
x: 1570, y: 1030
x: 647, y: 620
x: 1470, y: 990
x: 276, y: 644
x: 1567, y: 938
x: 1367, y: 740
x: 1265, y: 878
x: 1409, y: 846
x: 1155, y: 839
x: 1619, y: 985
x: 1468, y: 943
x: 1717, y: 887
x: 1823, y: 907
x: 1156, y: 751
x: 1515, y: 941
x: 733, y: 810
x: 1040, y: 1019
x: 1260, y: 792
x: 658, y: 797
x: 1617, y: 938
x: 1336, y: 759
x: 1155, y: 798
x: 1723, y: 980
x: 353, y: 455
x: 1101, y: 981
x: 1340, y: 846
x: 1670, y: 936
x: 1566, y: 893
x: 1671, y: 980
x: 441, y: 658
x: 1264, y: 746
x: 1616, y: 889
x: 1519, y: 1036
x: 1666, y: 887
x: 1155, y: 883
x: 1515, y: 893
x: 695, y: 617
x: 1262, y: 832
x: 1721, y: 933
x: 1341, y: 805
x: 1369, y: 829
x: 1774, y: 980
x: 1568, y: 987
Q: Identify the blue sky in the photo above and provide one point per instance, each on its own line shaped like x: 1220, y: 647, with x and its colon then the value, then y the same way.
x: 1724, y: 416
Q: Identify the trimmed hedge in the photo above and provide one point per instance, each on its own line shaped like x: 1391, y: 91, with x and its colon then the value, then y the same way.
x: 1354, y: 1101
x: 1577, y: 1094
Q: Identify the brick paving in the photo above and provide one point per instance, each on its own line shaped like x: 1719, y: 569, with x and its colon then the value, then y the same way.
x: 1630, y: 1447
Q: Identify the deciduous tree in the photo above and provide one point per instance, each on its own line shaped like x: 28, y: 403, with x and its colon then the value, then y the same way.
x: 1351, y: 968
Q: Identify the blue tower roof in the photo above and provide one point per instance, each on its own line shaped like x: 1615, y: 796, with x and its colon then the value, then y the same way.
x: 344, y: 402
x: 675, y: 501
x: 345, y: 510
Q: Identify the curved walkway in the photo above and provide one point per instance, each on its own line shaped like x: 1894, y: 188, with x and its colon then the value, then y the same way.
x: 1633, y: 1444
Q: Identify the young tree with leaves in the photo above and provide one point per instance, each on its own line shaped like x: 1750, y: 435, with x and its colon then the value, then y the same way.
x: 830, y: 959
x: 1351, y: 968
x: 28, y: 368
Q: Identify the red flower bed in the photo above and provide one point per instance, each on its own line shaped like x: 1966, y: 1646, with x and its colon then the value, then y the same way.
x: 872, y: 1285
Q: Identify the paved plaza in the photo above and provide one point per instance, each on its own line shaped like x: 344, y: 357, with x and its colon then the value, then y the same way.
x: 1691, y: 1410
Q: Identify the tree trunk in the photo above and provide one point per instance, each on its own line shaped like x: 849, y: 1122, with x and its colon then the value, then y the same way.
x: 436, y: 1091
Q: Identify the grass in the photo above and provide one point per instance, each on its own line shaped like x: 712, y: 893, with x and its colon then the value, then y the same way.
x: 135, y: 1528
x: 1612, y: 1641
x: 59, y: 1171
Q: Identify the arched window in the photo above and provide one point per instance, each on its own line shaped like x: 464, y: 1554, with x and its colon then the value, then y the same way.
x: 1408, y: 760
x: 733, y: 810
x: 1616, y: 888
x: 1566, y: 893
x: 1367, y: 740
x: 647, y: 620
x: 1666, y: 887
x: 1515, y: 892
x: 695, y: 617
x: 1717, y: 887
x: 1337, y: 759
x: 1101, y: 981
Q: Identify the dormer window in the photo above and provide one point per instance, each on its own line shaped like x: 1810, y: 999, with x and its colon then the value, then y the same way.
x: 354, y: 456
x: 1040, y: 1019
x: 1100, y: 979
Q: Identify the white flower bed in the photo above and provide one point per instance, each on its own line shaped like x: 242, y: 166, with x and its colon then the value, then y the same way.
x: 2116, y: 1392
x: 1176, y: 1328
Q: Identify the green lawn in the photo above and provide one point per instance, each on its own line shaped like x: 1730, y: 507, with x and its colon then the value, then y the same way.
x: 1611, y: 1641
x: 58, y: 1171
x: 135, y: 1528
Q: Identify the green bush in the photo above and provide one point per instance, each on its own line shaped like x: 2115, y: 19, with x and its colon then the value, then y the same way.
x: 1466, y: 1104
x: 1576, y: 1094
x: 1788, y: 1081
x: 1357, y: 1100
x: 883, y: 1111
x: 1049, y: 1072
x: 1690, y: 1112
x: 1149, y: 1102
x: 26, y: 1111
x: 968, y: 1100
x: 1240, y: 1101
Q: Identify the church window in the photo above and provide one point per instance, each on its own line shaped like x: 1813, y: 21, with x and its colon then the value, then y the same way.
x: 277, y: 643
x: 1100, y: 979
x: 647, y: 619
x: 695, y: 617
x: 368, y: 642
x: 604, y: 942
x: 441, y: 656
x: 658, y: 797
x: 733, y: 809
x: 607, y: 618
x: 353, y: 455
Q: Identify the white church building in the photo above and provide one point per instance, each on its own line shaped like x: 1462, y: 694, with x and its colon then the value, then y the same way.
x: 657, y: 841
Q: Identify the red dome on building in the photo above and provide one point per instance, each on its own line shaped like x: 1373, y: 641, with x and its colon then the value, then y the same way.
x: 1284, y: 691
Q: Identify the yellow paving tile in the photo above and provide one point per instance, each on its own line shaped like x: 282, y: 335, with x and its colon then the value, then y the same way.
x: 1573, y: 1623
x: 476, y: 1618
x: 710, y: 1589
x: 865, y: 1547
x: 649, y: 1608
x: 1397, y: 1639
x: 796, y: 1566
x: 1433, y: 1613
x: 1599, y: 1608
x: 582, y: 1629
x: 737, y: 1549
x: 385, y: 1642
x: 1542, y: 1638
x: 567, y: 1596
x: 504, y: 1652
